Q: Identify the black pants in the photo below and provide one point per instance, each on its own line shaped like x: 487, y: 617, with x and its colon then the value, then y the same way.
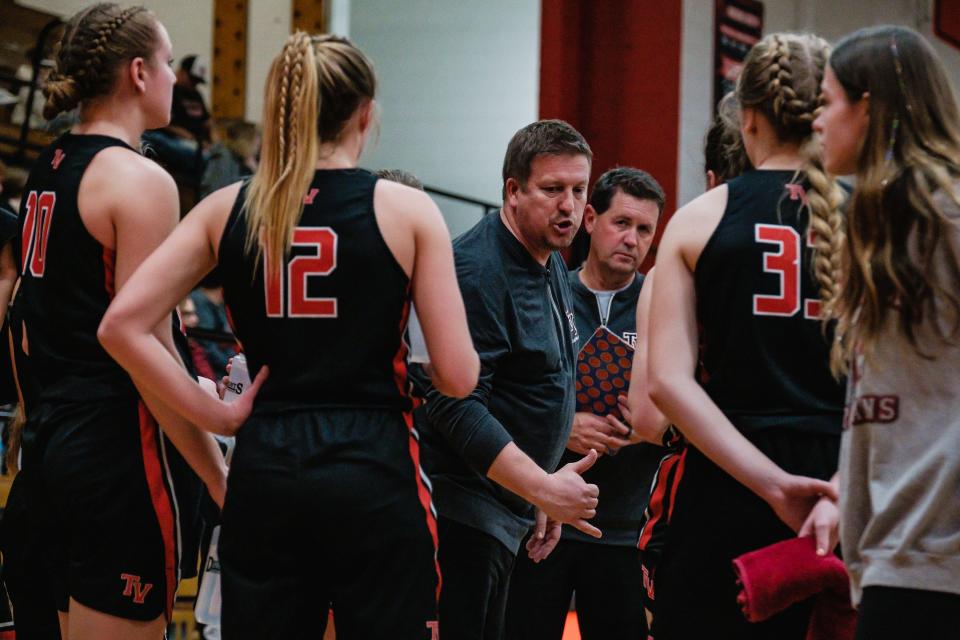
x: 606, y: 579
x: 888, y: 613
x: 476, y: 578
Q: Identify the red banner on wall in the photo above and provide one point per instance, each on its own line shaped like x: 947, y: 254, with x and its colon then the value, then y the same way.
x: 946, y: 20
x: 739, y: 26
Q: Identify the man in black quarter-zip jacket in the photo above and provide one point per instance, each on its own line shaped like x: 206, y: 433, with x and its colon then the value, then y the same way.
x: 605, y: 574
x: 492, y: 455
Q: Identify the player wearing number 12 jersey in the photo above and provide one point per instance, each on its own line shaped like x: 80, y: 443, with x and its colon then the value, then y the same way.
x: 737, y: 272
x: 320, y: 261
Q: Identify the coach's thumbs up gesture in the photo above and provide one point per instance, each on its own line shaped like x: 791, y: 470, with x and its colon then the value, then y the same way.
x: 565, y: 497
x: 562, y: 496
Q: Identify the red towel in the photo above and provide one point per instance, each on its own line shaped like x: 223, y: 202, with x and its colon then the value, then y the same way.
x: 776, y: 577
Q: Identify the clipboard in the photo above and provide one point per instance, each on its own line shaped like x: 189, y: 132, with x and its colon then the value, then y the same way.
x: 603, y: 372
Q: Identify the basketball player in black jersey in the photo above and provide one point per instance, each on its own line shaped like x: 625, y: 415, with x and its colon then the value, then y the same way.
x: 724, y: 159
x: 320, y: 260
x: 735, y: 269
x: 106, y: 489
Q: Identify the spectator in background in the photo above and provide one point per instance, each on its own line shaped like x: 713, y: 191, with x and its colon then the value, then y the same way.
x: 180, y: 146
x: 189, y: 117
x: 233, y: 157
x: 4, y: 203
x: 13, y: 180
x: 212, y: 315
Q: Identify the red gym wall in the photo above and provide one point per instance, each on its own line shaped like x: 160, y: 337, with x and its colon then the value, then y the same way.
x: 612, y: 70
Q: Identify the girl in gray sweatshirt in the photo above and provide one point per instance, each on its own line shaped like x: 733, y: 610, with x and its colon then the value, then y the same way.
x: 891, y: 118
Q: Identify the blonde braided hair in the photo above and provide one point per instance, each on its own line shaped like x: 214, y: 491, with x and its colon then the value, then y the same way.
x: 95, y: 42
x: 781, y: 78
x: 314, y: 86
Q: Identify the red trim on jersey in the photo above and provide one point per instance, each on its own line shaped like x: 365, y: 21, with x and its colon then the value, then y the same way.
x: 149, y: 434
x: 109, y: 267
x: 400, y: 377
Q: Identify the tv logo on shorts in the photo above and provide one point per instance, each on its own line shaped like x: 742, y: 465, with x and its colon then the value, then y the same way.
x: 134, y: 588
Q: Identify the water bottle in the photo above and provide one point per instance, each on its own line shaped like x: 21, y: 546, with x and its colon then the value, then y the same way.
x: 207, y: 610
x: 239, y: 378
x: 418, y: 345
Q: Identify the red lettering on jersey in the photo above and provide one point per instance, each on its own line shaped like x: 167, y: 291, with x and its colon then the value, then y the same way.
x: 308, y: 199
x: 58, y: 157
x: 434, y: 627
x: 272, y: 286
x: 322, y: 263
x: 299, y: 270
x: 786, y: 264
x: 36, y: 231
x: 797, y: 192
x: 134, y: 588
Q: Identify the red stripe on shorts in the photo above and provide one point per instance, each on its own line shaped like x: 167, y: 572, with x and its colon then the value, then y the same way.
x: 150, y: 446
x: 109, y: 267
x: 655, y: 505
x: 400, y: 377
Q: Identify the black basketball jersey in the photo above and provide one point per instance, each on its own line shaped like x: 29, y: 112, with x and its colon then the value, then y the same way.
x: 765, y: 355
x: 329, y: 325
x: 66, y: 278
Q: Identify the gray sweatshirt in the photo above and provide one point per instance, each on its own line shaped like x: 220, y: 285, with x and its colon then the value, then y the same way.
x: 900, y: 459
x: 522, y: 324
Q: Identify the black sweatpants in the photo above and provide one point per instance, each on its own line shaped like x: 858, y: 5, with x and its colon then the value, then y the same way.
x: 889, y: 613
x: 609, y: 587
x: 476, y: 579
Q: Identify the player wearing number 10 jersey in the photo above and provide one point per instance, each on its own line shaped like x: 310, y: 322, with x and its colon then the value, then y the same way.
x: 737, y: 272
x: 108, y: 497
x: 326, y: 503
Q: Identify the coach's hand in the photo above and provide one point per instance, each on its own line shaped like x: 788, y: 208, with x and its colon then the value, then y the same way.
x: 565, y: 497
x: 545, y: 536
x: 793, y: 497
x: 604, y: 435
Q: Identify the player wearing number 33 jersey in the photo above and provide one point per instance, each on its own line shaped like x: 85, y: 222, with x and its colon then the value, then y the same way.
x: 758, y: 307
x: 763, y: 361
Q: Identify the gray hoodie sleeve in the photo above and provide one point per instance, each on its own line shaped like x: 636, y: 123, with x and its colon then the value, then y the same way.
x: 467, y: 424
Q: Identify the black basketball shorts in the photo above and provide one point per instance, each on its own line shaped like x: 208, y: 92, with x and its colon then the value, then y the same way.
x: 103, y: 498
x: 328, y: 508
